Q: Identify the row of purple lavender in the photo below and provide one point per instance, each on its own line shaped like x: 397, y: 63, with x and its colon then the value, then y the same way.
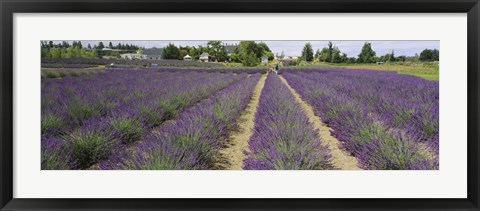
x: 193, y: 139
x: 85, y: 119
x: 283, y: 138
x: 386, y: 120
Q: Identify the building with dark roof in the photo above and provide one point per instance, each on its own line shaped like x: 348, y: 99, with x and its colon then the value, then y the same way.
x: 231, y: 47
x: 153, y: 53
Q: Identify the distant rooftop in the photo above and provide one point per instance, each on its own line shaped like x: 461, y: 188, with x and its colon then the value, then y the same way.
x: 231, y: 47
x: 153, y: 51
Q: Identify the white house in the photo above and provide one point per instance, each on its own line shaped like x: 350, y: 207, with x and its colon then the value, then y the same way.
x: 187, y: 58
x: 264, y: 59
x: 133, y: 56
x: 204, y: 57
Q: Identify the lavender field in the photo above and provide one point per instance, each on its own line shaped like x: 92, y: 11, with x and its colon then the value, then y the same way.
x: 183, y: 118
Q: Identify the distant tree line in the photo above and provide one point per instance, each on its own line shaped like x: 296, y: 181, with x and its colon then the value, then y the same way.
x: 76, y: 49
x: 429, y: 55
x: 331, y: 54
x: 248, y: 52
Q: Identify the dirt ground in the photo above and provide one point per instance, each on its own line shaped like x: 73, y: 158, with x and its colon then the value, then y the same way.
x: 231, y: 155
x: 340, y: 158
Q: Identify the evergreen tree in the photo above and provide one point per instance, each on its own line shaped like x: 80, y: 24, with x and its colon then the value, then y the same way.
x: 307, y: 52
x: 336, y: 57
x: 65, y: 44
x: 324, y: 55
x: 171, y: 52
x: 367, y: 55
x: 330, y: 52
x: 263, y: 46
x: 435, y: 55
x: 100, y: 45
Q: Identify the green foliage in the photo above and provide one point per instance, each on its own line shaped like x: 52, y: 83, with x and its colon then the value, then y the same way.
x: 44, y: 52
x: 55, y: 159
x: 303, y: 63
x: 51, y: 74
x: 429, y: 55
x: 317, y: 55
x: 330, y: 52
x: 389, y: 57
x: 129, y: 129
x: 217, y: 50
x: 69, y: 52
x: 192, y: 51
x: 235, y: 57
x: 80, y: 111
x: 350, y: 60
x: 324, y: 55
x: 393, y: 152
x: 55, y: 53
x: 171, y: 52
x: 152, y: 115
x: 183, y: 53
x: 263, y: 46
x: 250, y: 60
x: 251, y: 52
x: 336, y: 56
x: 269, y: 55
x: 89, y: 147
x: 294, y: 62
x: 169, y: 108
x: 367, y: 55
x: 51, y: 122
x: 307, y: 52
x: 100, y: 45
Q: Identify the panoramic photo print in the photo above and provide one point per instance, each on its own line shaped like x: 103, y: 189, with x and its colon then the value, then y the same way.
x: 239, y: 105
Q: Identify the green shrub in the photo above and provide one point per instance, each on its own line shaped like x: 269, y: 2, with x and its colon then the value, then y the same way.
x: 303, y: 63
x: 55, y: 159
x: 51, y: 122
x: 52, y: 74
x: 80, y: 111
x: 129, y: 129
x: 152, y: 115
x: 89, y: 147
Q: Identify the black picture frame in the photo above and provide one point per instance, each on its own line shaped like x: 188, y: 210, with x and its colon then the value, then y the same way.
x: 9, y: 7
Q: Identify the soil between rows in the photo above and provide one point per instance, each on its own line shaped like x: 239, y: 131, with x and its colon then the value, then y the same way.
x: 231, y: 156
x: 340, y: 158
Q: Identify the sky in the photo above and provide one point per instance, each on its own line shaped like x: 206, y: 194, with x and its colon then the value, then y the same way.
x: 294, y: 48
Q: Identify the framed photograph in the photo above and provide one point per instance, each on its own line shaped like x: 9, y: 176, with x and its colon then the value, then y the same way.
x: 216, y: 105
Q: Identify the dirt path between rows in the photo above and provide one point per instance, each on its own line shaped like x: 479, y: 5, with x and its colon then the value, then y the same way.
x: 340, y: 158
x: 231, y: 156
